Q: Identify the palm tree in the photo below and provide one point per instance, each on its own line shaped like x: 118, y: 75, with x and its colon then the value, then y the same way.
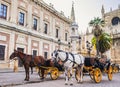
x: 105, y: 42
x: 97, y: 25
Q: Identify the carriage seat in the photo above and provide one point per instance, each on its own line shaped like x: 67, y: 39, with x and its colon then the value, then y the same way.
x: 89, y: 61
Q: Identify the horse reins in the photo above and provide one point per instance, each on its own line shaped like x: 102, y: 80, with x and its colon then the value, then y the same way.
x: 9, y: 61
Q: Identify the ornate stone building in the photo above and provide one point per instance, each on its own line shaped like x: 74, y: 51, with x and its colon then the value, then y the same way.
x: 33, y: 27
x: 112, y: 26
x: 86, y: 47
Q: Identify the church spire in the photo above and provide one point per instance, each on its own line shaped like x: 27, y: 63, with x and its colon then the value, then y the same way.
x: 103, y: 11
x: 72, y: 13
x: 87, y: 31
x: 119, y: 6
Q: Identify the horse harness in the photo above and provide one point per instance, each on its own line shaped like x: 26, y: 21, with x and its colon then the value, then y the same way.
x: 67, y: 58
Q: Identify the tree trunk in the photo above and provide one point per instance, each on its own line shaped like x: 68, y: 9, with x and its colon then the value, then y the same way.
x: 97, y: 47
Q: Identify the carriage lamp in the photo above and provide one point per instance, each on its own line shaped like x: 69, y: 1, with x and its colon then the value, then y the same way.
x: 79, y: 39
x: 69, y: 45
x: 79, y: 42
x: 89, y: 47
x: 59, y: 42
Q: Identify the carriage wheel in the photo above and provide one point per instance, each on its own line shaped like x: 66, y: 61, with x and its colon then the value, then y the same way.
x: 91, y: 75
x: 45, y: 73
x: 116, y: 69
x: 97, y: 75
x: 54, y: 74
x: 110, y: 73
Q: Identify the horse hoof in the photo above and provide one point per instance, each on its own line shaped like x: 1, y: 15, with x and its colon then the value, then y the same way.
x: 71, y: 84
x: 66, y: 83
x: 42, y: 79
x: 26, y: 79
x: 81, y: 82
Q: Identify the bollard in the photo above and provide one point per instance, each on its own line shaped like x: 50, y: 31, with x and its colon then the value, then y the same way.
x: 15, y: 69
x: 37, y: 69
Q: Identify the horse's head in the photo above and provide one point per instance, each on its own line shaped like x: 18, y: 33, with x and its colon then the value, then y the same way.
x: 54, y: 54
x: 14, y: 54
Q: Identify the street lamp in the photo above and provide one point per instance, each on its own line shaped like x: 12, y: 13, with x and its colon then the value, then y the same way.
x: 69, y: 45
x: 89, y: 47
x: 59, y: 42
x: 79, y: 38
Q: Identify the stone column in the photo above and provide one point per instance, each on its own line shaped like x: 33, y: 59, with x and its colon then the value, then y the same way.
x: 51, y: 27
x: 41, y: 22
x: 40, y: 47
x: 29, y: 44
x: 14, y: 11
x: 11, y: 46
x: 29, y: 17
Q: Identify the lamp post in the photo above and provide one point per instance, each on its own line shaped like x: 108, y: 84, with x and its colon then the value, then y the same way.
x: 89, y: 47
x: 79, y: 43
x: 69, y: 45
x: 59, y: 42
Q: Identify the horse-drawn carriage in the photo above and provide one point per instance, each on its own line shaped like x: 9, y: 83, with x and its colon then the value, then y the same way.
x: 95, y: 67
x: 115, y: 67
x: 44, y: 66
x: 53, y: 71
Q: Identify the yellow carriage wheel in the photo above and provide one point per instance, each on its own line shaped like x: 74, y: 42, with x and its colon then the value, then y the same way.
x: 110, y: 73
x: 116, y: 69
x: 45, y: 73
x: 54, y: 73
x: 97, y: 75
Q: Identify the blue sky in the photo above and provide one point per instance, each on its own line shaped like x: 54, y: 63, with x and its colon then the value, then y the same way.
x: 85, y: 10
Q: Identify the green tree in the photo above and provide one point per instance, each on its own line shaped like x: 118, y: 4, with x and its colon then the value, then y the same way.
x: 97, y: 25
x: 104, y: 41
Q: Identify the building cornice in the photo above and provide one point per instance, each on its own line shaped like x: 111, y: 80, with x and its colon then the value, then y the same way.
x: 112, y: 12
x: 13, y: 28
x: 51, y: 9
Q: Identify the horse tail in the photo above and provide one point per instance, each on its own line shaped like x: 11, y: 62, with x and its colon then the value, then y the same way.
x: 31, y: 70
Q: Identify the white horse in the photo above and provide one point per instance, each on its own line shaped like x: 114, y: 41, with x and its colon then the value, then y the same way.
x: 70, y: 61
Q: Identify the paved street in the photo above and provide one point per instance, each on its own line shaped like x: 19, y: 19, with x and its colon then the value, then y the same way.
x: 17, y: 80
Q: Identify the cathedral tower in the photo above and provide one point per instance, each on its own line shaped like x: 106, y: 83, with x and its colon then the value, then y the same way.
x: 74, y: 30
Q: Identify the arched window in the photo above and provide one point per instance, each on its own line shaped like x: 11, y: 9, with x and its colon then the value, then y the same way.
x: 115, y: 20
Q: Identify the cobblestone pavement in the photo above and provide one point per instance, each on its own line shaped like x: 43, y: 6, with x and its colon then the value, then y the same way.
x: 17, y: 80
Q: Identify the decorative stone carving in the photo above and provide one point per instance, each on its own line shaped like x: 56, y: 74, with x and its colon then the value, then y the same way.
x: 21, y: 39
x: 3, y: 38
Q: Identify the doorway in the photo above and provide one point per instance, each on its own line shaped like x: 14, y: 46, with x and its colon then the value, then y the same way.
x: 20, y: 64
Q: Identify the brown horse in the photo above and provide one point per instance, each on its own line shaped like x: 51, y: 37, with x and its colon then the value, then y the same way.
x: 29, y: 61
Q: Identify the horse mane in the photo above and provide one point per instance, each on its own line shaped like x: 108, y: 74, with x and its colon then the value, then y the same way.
x: 60, y: 51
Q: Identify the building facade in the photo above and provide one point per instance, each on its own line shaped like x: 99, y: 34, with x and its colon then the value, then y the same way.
x: 33, y: 27
x: 86, y: 47
x: 112, y: 26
